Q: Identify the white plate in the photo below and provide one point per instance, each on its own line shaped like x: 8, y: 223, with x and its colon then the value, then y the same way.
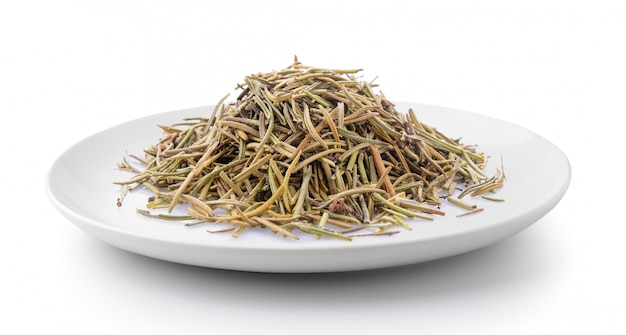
x: 80, y: 185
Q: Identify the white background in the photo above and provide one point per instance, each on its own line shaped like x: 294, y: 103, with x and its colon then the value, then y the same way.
x: 69, y: 69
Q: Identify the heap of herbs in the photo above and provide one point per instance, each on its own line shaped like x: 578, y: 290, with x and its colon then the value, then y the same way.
x: 308, y: 150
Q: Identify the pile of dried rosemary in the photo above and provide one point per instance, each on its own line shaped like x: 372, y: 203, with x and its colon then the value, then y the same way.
x: 308, y: 149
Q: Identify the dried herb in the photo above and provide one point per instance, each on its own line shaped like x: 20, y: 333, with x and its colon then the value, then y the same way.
x: 308, y: 149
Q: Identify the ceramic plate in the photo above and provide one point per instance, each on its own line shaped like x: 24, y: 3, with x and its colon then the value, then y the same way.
x: 80, y: 185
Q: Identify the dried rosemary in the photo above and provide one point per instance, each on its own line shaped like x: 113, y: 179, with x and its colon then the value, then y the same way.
x: 308, y: 149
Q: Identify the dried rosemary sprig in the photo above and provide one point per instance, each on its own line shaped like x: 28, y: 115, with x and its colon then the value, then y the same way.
x: 308, y: 149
